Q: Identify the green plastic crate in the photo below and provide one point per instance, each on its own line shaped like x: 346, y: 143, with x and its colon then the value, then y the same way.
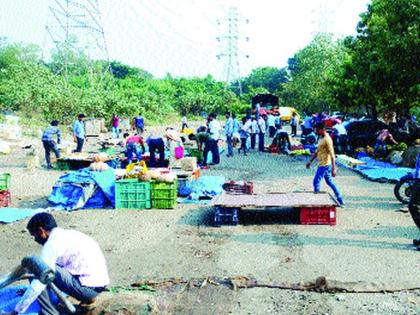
x: 4, y: 181
x: 164, y: 195
x: 132, y: 194
x: 196, y: 153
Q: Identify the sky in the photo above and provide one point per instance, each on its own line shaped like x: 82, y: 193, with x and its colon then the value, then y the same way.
x: 180, y: 36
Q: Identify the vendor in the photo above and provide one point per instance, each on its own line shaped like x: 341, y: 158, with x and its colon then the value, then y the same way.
x: 156, y: 144
x: 49, y: 143
x: 282, y: 140
x: 200, y: 137
x: 384, y: 137
x: 134, y: 146
x: 75, y: 258
x: 173, y: 140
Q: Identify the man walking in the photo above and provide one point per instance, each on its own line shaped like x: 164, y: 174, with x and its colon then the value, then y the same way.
x: 75, y: 258
x: 79, y: 133
x: 229, y: 128
x: 49, y: 143
x: 326, y: 161
x: 261, y: 134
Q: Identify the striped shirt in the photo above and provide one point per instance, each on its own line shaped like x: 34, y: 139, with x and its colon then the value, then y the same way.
x: 50, y: 132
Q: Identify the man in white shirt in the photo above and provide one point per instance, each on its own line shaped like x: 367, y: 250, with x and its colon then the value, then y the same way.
x: 229, y: 130
x: 261, y: 134
x: 340, y: 135
x: 75, y: 258
x: 254, y: 132
x: 212, y: 143
x: 271, y: 123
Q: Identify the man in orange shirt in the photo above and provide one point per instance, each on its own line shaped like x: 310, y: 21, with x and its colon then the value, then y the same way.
x: 326, y: 162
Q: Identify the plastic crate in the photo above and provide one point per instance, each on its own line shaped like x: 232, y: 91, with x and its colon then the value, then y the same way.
x: 225, y: 216
x: 132, y: 194
x: 318, y: 216
x: 164, y: 195
x: 4, y: 181
x: 239, y: 187
x: 5, y: 199
x: 196, y: 153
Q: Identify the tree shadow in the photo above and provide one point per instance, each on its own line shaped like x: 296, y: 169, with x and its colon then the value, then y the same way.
x: 296, y: 240
x: 409, y: 232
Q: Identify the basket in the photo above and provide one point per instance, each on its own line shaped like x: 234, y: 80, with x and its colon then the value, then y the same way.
x: 4, y: 181
x: 318, y: 216
x: 132, y: 194
x: 5, y: 199
x: 164, y: 195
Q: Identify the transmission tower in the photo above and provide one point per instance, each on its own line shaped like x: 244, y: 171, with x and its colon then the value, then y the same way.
x: 77, y: 22
x: 230, y: 52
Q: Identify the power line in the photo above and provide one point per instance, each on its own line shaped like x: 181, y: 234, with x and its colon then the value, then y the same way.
x: 230, y: 48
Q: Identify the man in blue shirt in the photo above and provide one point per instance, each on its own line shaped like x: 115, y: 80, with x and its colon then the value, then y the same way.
x: 139, y: 124
x: 49, y: 143
x: 79, y: 133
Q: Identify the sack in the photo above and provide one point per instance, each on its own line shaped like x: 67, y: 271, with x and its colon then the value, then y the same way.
x: 179, y: 152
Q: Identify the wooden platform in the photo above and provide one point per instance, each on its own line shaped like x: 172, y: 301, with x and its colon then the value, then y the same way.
x: 275, y: 200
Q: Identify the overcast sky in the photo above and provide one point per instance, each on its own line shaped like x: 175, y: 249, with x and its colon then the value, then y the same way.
x: 179, y: 36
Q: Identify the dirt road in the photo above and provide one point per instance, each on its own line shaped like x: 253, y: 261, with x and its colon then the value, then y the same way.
x: 369, y: 244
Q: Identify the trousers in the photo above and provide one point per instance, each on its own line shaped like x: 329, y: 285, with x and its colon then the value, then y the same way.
x: 65, y: 282
x: 325, y: 172
x: 49, y: 146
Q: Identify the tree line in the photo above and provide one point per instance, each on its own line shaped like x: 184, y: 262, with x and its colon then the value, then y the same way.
x: 375, y: 71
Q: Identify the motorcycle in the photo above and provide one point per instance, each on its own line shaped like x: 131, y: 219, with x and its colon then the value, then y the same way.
x: 403, y: 190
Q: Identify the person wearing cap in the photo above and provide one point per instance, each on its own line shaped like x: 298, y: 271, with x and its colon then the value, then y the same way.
x: 79, y: 133
x: 326, y: 162
x: 49, y: 143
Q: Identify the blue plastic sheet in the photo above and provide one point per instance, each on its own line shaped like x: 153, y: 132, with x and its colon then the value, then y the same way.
x: 10, y: 297
x: 380, y: 171
x: 84, y: 189
x: 10, y: 215
x: 206, y: 187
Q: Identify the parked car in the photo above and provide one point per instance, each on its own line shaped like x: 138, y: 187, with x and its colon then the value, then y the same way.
x: 338, y: 115
x: 361, y: 133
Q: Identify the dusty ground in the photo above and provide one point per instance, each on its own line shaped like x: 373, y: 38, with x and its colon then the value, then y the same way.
x: 370, y: 244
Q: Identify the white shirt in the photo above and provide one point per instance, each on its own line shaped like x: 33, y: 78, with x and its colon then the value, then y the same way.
x: 75, y: 252
x: 214, y: 128
x: 247, y: 126
x: 340, y: 129
x: 254, y: 127
x: 271, y: 121
x: 261, y: 124
x: 184, y: 119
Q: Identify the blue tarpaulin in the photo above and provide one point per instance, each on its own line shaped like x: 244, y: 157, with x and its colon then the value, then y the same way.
x: 9, y: 215
x: 84, y: 189
x: 206, y: 187
x: 380, y: 171
x: 10, y: 297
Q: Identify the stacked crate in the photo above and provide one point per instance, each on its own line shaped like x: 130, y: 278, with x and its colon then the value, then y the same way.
x: 132, y: 194
x: 5, y: 197
x: 164, y: 195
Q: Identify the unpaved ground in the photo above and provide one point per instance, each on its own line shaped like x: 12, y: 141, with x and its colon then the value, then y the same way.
x: 371, y: 244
